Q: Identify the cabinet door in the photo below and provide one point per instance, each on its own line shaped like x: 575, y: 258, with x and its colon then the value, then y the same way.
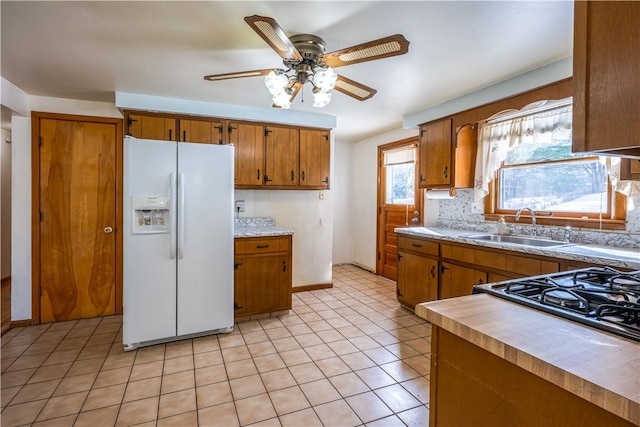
x: 457, y: 281
x: 605, y: 73
x: 248, y: 141
x: 435, y: 155
x: 281, y: 156
x: 417, y: 279
x: 263, y: 288
x: 314, y: 158
x: 151, y: 127
x: 200, y: 131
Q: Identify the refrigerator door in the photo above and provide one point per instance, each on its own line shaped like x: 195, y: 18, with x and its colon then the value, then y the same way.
x: 149, y: 288
x: 205, y: 237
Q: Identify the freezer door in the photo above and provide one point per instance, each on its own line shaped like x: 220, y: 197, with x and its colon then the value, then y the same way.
x: 149, y: 288
x: 205, y: 237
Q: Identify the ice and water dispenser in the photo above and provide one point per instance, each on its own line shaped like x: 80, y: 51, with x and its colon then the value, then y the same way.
x: 151, y: 214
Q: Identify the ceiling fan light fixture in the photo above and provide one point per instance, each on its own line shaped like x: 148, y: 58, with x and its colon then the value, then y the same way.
x: 276, y: 81
x: 325, y: 78
x: 283, y: 99
x: 321, y: 98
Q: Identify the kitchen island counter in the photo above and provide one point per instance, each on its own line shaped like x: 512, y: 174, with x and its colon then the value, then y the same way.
x: 598, y: 367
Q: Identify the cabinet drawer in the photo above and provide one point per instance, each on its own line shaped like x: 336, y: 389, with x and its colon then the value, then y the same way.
x: 458, y: 253
x: 417, y: 245
x: 257, y: 246
x: 491, y: 259
x: 530, y: 266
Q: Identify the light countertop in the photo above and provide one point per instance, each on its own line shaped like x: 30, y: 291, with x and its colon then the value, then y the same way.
x: 595, y: 254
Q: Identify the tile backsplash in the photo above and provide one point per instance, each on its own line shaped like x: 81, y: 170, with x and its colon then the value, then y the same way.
x: 458, y: 214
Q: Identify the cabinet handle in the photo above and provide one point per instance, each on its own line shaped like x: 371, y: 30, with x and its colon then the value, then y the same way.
x: 184, y: 135
x: 292, y: 175
x: 284, y: 266
x: 433, y: 271
x: 258, y: 174
x: 262, y: 246
x: 415, y: 245
x: 303, y: 175
x: 170, y: 134
x: 445, y: 172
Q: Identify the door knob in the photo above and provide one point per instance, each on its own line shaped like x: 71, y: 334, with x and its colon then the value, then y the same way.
x: 108, y: 230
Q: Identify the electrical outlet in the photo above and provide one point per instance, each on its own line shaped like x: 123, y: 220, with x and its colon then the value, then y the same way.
x: 239, y: 205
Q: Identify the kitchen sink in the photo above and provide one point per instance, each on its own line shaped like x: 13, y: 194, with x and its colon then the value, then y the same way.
x: 518, y: 240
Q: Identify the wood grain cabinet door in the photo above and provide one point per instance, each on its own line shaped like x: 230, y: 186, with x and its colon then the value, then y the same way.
x: 201, y: 131
x: 248, y: 142
x: 77, y: 219
x: 435, y: 155
x: 152, y: 127
x: 281, y: 156
x: 314, y: 158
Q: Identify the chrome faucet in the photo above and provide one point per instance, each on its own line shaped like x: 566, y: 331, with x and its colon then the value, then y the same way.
x: 534, y: 231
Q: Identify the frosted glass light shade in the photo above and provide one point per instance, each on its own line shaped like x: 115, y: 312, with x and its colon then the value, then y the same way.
x: 325, y: 79
x: 282, y: 100
x: 276, y: 81
x: 321, y: 99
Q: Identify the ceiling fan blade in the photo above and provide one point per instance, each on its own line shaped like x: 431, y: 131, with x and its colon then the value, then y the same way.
x: 272, y: 33
x: 239, y: 74
x: 354, y: 89
x: 376, y: 49
x: 295, y: 88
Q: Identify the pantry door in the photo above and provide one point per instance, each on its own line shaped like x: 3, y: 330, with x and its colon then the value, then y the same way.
x: 399, y: 200
x: 76, y: 226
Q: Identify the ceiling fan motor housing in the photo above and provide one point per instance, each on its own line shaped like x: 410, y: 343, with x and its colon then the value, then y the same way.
x: 311, y: 49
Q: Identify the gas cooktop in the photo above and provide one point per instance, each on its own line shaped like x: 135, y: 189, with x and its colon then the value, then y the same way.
x: 601, y: 297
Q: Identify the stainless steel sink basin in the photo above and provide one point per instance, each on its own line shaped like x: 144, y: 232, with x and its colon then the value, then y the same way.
x: 518, y: 240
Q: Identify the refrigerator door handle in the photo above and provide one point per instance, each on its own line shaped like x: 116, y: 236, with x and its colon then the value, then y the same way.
x: 172, y: 228
x: 181, y: 215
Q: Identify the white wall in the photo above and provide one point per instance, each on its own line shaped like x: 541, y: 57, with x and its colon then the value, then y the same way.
x: 364, y: 194
x: 5, y: 204
x: 341, y: 185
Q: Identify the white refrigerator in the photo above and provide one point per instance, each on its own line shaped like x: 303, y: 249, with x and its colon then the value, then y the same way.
x: 178, y: 240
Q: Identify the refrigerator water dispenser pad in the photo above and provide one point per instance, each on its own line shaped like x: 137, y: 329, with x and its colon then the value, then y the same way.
x: 150, y: 214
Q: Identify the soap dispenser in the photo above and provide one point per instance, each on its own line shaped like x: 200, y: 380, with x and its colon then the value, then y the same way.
x: 502, y: 226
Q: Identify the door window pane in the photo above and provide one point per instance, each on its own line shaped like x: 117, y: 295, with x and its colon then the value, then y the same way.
x: 400, y: 184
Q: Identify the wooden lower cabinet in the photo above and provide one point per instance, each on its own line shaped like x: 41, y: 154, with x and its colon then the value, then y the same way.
x: 262, y: 279
x: 417, y: 279
x: 472, y: 387
x: 457, y: 281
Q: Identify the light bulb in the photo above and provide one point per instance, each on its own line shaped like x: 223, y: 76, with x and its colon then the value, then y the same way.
x: 282, y: 100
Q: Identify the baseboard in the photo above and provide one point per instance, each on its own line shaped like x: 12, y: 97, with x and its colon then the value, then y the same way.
x: 364, y: 267
x: 311, y: 287
x: 20, y: 323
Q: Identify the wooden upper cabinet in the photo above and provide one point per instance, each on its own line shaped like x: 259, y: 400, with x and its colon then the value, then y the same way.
x: 314, y: 158
x: 606, y: 66
x: 281, y: 153
x: 248, y: 141
x: 435, y: 163
x: 151, y: 127
x: 200, y: 131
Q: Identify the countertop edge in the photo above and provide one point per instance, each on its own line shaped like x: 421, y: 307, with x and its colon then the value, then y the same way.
x: 259, y: 231
x: 570, y: 252
x: 625, y: 407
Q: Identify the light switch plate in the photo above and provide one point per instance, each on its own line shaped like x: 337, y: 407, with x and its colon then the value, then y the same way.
x: 239, y: 205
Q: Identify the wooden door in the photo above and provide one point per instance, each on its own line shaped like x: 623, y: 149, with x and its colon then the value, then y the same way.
x: 76, y: 222
x: 435, y: 155
x: 201, y: 131
x: 314, y: 158
x: 394, y: 212
x: 263, y: 275
x: 281, y: 146
x: 151, y: 127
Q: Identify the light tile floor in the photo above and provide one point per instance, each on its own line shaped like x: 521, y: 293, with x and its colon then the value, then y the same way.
x: 345, y: 356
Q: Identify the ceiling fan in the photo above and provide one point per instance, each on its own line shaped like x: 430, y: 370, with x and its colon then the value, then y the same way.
x: 305, y: 60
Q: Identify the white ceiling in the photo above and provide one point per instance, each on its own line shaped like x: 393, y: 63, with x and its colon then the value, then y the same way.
x: 90, y: 50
